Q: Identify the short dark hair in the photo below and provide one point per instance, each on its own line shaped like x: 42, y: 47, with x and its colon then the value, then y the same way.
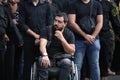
x: 64, y: 15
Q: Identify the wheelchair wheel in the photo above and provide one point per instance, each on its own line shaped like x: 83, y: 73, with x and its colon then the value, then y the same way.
x: 74, y: 74
x: 33, y: 71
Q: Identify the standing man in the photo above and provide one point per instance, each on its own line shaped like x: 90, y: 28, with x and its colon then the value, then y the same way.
x: 116, y: 56
x: 107, y: 41
x: 3, y: 26
x: 34, y: 17
x: 87, y: 43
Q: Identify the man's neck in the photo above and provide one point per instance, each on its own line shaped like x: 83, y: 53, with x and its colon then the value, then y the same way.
x: 35, y: 2
x: 86, y: 1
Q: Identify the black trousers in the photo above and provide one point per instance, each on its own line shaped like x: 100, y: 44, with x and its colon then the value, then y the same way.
x: 116, y: 58
x: 9, y: 61
x: 17, y: 62
x: 30, y: 50
x: 2, y: 65
x: 63, y: 66
x: 2, y: 59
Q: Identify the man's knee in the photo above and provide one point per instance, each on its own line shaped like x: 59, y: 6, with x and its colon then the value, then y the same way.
x: 65, y: 63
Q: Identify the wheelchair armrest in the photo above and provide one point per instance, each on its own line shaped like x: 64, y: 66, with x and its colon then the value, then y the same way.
x: 62, y: 56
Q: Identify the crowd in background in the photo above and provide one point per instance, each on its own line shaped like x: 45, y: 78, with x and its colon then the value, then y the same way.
x: 23, y: 21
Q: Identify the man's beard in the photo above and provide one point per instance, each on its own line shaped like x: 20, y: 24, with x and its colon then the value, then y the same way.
x: 60, y: 29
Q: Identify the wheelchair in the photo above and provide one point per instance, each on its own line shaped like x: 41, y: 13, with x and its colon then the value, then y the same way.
x: 73, y: 73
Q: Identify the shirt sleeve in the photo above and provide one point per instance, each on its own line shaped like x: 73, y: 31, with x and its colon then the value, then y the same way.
x: 99, y: 10
x: 22, y: 17
x: 69, y: 36
x: 44, y: 33
x: 71, y: 9
x: 72, y: 39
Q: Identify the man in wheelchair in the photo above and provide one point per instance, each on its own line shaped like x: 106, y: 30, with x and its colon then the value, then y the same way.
x: 61, y: 46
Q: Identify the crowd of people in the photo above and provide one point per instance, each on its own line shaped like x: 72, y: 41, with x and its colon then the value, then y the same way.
x: 48, y: 28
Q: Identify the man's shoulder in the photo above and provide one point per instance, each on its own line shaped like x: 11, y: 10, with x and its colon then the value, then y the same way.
x: 97, y: 3
x: 68, y: 32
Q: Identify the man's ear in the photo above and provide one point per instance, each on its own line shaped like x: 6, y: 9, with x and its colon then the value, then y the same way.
x: 65, y: 24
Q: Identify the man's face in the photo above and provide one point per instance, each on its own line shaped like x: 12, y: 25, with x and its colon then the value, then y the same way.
x: 1, y: 0
x: 14, y: 1
x: 59, y: 23
x: 5, y: 1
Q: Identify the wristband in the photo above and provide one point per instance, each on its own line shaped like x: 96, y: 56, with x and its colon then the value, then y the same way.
x: 45, y: 54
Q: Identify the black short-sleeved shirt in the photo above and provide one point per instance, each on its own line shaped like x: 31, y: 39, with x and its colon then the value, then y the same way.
x: 56, y: 46
x: 81, y: 9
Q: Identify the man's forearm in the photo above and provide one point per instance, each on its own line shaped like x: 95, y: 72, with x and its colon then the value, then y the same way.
x: 69, y: 48
x: 43, y: 43
x: 30, y: 32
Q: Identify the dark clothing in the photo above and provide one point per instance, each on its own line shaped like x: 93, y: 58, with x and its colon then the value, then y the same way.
x: 63, y: 5
x: 34, y: 17
x: 18, y: 51
x: 62, y: 67
x: 80, y: 9
x: 3, y: 26
x: 2, y: 41
x: 12, y: 30
x: 110, y: 14
x: 9, y: 61
x: 54, y: 10
x: 117, y: 2
x: 15, y: 38
x: 2, y: 62
x: 106, y: 51
x: 116, y: 58
x: 37, y: 19
x: 56, y: 46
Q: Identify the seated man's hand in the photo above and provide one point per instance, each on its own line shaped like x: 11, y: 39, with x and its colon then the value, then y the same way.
x: 45, y: 62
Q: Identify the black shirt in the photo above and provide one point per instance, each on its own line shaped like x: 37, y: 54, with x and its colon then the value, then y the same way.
x: 33, y: 17
x: 81, y: 9
x: 63, y: 5
x: 56, y: 46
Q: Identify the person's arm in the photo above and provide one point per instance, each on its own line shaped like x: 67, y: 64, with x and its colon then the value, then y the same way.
x: 69, y: 48
x: 89, y: 38
x: 32, y: 33
x: 99, y: 25
x: 24, y: 26
x: 45, y: 58
x: 76, y: 27
x: 43, y: 44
